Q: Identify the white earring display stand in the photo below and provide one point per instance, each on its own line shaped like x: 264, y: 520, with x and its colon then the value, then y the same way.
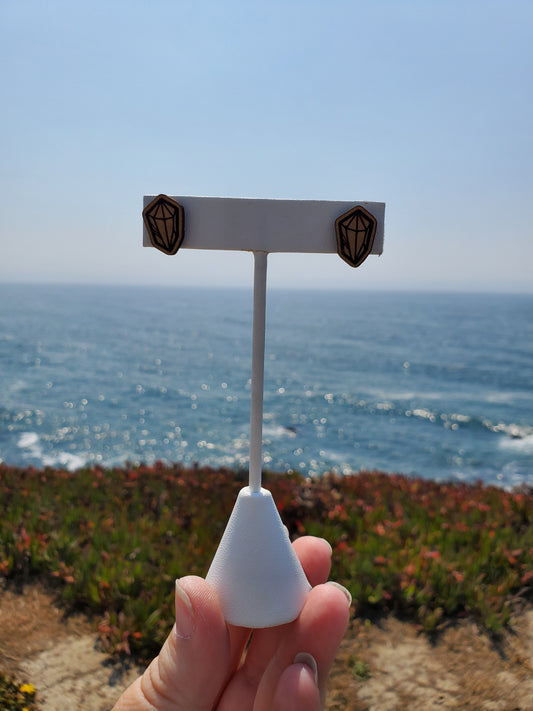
x: 255, y: 572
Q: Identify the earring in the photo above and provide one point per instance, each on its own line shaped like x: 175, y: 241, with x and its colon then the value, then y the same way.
x: 164, y: 221
x: 355, y: 232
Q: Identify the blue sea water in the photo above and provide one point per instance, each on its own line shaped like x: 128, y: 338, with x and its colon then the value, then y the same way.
x: 435, y: 385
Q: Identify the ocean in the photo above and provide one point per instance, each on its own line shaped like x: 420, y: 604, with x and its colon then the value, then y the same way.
x: 433, y: 385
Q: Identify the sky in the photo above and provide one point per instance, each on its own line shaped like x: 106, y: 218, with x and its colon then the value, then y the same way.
x: 426, y: 106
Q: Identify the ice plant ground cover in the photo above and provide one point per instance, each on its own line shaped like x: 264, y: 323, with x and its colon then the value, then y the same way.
x: 15, y: 696
x: 111, y: 542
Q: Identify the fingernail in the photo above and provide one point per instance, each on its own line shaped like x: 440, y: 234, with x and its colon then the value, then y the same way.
x: 329, y: 545
x: 342, y: 588
x: 184, y: 613
x: 309, y: 661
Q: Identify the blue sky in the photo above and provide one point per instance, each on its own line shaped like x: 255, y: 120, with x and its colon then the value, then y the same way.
x: 426, y: 106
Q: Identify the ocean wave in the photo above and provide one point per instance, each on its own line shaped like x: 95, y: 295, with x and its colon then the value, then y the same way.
x: 277, y: 431
x: 423, y: 413
x: 513, y: 431
x: 30, y: 443
x: 518, y: 436
x: 65, y: 460
x: 506, y: 397
x: 28, y: 440
x: 521, y: 444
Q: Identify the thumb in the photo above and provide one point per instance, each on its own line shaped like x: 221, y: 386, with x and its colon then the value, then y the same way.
x: 193, y: 663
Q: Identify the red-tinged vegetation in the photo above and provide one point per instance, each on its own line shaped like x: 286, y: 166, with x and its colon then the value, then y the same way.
x: 113, y: 542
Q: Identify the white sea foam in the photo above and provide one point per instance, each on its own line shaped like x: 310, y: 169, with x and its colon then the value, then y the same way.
x: 277, y: 431
x: 385, y: 406
x: 65, y: 459
x: 520, y: 444
x: 393, y: 395
x: 506, y: 396
x: 515, y: 432
x: 28, y: 440
x: 240, y: 443
x: 457, y: 417
x: 518, y: 438
x: 423, y: 414
x: 30, y: 444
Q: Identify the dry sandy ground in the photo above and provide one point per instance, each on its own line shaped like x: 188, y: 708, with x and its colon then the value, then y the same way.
x: 386, y: 666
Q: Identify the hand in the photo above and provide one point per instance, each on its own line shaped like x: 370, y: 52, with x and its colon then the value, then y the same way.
x: 206, y: 664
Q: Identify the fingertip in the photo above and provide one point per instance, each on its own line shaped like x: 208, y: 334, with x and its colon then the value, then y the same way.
x: 333, y: 601
x: 315, y: 556
x: 203, y: 597
x: 323, y: 622
x: 324, y: 542
x: 347, y: 594
x: 319, y: 545
x: 309, y: 661
x: 297, y: 689
x: 185, y: 614
x: 193, y: 662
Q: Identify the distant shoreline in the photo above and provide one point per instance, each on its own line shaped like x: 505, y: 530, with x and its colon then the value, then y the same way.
x: 242, y: 288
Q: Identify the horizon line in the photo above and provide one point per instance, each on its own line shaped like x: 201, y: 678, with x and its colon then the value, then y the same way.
x: 411, y: 289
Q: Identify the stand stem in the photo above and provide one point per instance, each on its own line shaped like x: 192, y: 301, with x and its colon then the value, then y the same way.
x: 258, y: 371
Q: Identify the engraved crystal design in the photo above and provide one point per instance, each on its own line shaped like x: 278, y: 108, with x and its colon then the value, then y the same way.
x: 355, y: 231
x: 163, y: 218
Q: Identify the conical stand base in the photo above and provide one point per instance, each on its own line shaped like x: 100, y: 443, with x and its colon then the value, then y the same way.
x: 255, y: 571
